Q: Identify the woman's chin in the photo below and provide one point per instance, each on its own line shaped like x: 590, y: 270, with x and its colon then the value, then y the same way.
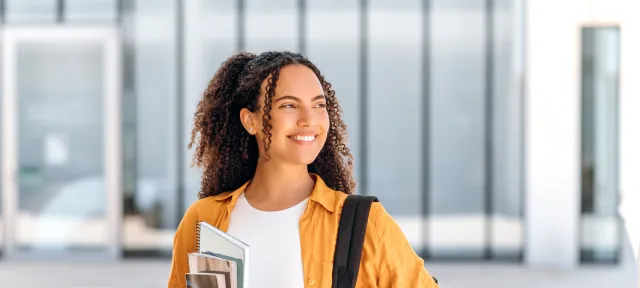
x: 303, y: 159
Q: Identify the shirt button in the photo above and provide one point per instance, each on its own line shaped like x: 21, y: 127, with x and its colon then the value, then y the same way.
x: 311, y: 282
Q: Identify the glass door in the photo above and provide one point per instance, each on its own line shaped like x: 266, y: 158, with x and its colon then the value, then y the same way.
x: 61, y: 141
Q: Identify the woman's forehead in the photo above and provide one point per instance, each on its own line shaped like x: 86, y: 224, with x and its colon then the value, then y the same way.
x: 296, y: 80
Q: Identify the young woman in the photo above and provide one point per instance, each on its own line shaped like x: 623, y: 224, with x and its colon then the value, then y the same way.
x: 276, y: 172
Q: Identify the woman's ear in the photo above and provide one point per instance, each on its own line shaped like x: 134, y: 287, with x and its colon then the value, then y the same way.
x: 246, y: 117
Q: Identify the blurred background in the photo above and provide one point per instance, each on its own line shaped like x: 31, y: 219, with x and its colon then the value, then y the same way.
x: 500, y: 134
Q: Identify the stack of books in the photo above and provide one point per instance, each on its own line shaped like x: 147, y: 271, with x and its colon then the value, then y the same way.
x: 220, y: 261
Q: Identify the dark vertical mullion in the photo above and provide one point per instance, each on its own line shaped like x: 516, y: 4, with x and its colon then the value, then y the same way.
x: 522, y: 91
x: 585, y: 101
x: 364, y: 106
x: 426, y: 122
x: 180, y: 155
x: 119, y: 11
x: 2, y: 11
x: 240, y: 24
x: 302, y: 26
x: 488, y: 153
x: 130, y: 110
x: 60, y: 11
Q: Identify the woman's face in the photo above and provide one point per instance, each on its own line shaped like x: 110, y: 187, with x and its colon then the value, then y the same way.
x: 299, y: 117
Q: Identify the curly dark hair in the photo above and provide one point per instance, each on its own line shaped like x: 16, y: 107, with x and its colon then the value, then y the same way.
x: 228, y: 154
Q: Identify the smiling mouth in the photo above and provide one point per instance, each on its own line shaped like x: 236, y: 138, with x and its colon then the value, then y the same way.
x: 309, y: 138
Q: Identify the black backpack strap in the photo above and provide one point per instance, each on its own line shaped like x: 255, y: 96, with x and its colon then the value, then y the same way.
x: 351, y: 232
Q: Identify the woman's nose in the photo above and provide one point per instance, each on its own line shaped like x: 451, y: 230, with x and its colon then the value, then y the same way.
x: 306, y: 118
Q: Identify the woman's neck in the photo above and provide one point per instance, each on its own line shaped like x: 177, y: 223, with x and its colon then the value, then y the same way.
x: 277, y: 186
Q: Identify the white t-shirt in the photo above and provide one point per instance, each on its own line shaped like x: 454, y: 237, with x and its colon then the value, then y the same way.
x: 274, y: 241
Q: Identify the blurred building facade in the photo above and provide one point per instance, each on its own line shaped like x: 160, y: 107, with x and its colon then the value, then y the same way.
x: 489, y: 129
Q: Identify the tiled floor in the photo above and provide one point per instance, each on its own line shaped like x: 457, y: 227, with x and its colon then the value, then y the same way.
x: 137, y: 274
x: 130, y: 274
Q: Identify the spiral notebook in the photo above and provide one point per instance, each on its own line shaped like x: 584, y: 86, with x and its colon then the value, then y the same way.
x: 213, y: 241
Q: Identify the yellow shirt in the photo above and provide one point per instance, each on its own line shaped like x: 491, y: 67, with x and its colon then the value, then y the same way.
x: 387, y: 258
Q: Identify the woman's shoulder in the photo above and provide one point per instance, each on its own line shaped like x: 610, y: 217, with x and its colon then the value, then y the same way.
x: 378, y: 218
x: 341, y: 197
x: 204, y: 204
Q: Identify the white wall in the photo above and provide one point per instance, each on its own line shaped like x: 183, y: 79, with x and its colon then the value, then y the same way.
x: 630, y: 122
x: 552, y: 133
x: 552, y: 147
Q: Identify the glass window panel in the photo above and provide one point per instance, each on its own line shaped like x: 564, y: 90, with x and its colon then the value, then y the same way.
x: 84, y: 11
x: 334, y: 47
x: 204, y: 52
x: 271, y: 25
x: 61, y: 179
x: 457, y: 222
x: 20, y: 11
x: 150, y: 48
x: 394, y: 118
x: 506, y: 221
x: 601, y: 226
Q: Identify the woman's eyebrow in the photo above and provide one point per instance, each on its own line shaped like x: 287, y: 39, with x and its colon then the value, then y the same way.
x: 294, y: 98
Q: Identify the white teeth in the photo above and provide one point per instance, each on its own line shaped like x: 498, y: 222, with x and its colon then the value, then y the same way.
x: 304, y: 138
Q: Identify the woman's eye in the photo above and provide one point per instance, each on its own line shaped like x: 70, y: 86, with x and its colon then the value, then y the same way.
x: 322, y: 105
x: 287, y: 106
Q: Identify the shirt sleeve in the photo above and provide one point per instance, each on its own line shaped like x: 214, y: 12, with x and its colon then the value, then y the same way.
x: 399, y: 265
x: 183, y: 244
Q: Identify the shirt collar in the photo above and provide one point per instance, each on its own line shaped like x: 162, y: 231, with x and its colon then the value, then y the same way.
x: 321, y: 194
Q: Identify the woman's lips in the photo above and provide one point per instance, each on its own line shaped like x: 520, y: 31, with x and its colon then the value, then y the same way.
x: 304, y: 139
